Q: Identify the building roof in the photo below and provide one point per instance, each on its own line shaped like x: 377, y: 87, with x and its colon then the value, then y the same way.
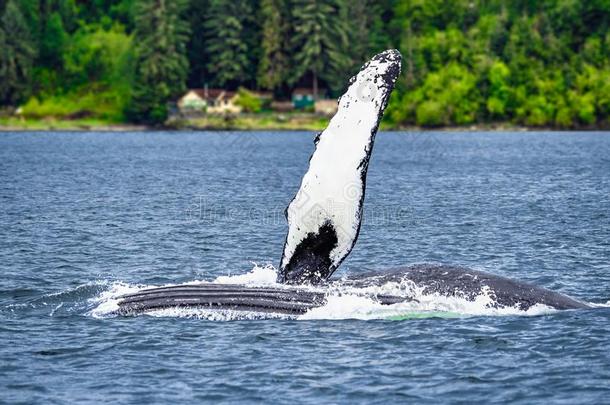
x: 212, y: 94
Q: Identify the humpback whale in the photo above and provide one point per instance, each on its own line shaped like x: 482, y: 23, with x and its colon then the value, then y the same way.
x: 324, y: 219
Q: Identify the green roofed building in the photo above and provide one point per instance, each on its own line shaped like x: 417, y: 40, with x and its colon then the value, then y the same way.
x: 303, y: 98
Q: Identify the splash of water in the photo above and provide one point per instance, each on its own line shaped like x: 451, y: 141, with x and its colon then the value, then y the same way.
x: 343, y: 302
x: 108, y: 301
x: 352, y: 306
x: 259, y: 276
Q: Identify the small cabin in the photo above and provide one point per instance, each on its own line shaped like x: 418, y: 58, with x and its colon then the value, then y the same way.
x: 303, y: 98
x: 193, y: 100
x: 222, y: 102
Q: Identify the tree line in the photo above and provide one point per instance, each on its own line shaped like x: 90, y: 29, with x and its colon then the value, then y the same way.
x: 530, y: 62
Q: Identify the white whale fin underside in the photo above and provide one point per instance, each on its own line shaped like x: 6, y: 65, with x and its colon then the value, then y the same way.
x: 324, y: 216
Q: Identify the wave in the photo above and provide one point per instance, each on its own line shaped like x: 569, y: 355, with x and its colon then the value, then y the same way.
x: 71, y: 301
x: 600, y: 304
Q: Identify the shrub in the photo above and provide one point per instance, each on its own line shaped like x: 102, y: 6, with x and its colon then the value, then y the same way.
x: 248, y: 101
x: 430, y: 113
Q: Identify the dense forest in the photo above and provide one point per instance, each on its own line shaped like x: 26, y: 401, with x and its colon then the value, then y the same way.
x: 529, y: 62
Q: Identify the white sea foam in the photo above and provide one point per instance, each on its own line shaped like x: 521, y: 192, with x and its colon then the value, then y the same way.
x: 214, y: 314
x: 259, y: 276
x: 108, y: 301
x: 343, y: 302
x: 600, y: 304
x: 353, y: 305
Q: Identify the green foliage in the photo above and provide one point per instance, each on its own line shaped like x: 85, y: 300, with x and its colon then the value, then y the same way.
x: 97, y: 55
x: 248, y: 101
x: 357, y: 17
x: 227, y: 44
x: 535, y: 63
x: 318, y: 41
x: 31, y: 13
x: 196, y: 47
x: 16, y: 55
x: 54, y: 39
x: 106, y: 104
x: 273, y: 68
x: 499, y: 89
x: 447, y: 96
x: 161, y: 65
x: 380, y: 30
x: 121, y: 11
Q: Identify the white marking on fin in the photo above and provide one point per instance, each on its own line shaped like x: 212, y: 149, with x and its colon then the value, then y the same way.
x: 332, y: 191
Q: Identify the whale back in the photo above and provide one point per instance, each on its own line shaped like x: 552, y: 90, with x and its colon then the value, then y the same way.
x: 324, y: 216
x: 456, y: 281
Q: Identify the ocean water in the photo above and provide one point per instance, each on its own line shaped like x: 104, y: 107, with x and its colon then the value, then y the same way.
x: 85, y: 217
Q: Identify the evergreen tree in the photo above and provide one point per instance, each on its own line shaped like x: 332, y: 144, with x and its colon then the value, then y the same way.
x: 318, y: 41
x: 161, y: 65
x: 356, y: 14
x: 273, y: 68
x: 53, y: 42
x: 196, y: 47
x: 382, y: 34
x: 16, y: 56
x: 5, y: 82
x: 530, y: 62
x: 227, y: 42
x: 68, y: 11
x: 31, y: 13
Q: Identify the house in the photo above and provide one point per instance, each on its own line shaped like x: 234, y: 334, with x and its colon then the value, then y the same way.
x: 222, y: 102
x: 193, y: 100
x: 215, y: 101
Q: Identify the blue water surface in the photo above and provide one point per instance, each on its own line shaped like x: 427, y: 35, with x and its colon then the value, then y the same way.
x: 82, y: 211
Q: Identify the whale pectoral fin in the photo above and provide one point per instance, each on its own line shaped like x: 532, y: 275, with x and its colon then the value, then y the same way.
x: 325, y: 215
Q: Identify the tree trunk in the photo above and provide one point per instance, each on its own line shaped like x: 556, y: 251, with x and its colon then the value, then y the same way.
x: 315, y: 86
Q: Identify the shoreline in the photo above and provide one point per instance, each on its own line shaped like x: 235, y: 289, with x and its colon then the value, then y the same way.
x: 250, y: 122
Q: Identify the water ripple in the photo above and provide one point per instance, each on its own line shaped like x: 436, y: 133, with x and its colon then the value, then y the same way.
x: 82, y: 213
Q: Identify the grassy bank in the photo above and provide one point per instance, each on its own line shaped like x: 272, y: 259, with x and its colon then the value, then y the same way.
x: 241, y: 122
x: 260, y: 121
x: 53, y: 124
x: 263, y: 121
